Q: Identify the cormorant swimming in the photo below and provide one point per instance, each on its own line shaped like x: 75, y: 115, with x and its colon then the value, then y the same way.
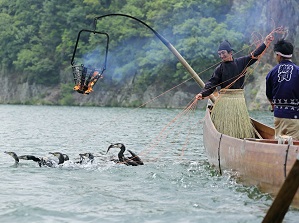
x: 44, y: 161
x: 133, y: 160
x: 50, y: 162
x: 24, y: 157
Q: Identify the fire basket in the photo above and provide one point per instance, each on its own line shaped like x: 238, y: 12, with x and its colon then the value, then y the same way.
x: 85, y: 77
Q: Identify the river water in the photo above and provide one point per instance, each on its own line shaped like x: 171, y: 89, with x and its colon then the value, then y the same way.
x: 176, y: 184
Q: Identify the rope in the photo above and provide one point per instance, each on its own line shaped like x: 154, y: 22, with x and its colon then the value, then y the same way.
x: 189, y: 108
x: 178, y: 119
x: 86, y: 138
x: 164, y: 133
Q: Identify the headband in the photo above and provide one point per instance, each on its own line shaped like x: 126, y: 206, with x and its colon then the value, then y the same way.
x: 284, y: 55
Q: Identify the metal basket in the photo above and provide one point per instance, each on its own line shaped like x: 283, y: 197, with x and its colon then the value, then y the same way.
x: 84, y: 77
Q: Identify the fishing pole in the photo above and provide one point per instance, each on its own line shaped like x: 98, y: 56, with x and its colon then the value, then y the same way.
x: 166, y: 43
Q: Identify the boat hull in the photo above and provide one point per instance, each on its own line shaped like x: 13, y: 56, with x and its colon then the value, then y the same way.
x: 260, y: 162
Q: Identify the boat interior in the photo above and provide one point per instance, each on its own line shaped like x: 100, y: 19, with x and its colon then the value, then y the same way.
x: 266, y: 134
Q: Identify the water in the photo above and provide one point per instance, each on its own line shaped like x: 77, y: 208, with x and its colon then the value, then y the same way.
x: 176, y: 184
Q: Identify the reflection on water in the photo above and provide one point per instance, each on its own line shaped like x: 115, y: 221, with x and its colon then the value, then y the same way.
x: 176, y: 183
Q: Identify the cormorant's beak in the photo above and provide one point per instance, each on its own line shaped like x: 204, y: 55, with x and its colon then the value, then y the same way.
x: 9, y: 153
x: 111, y: 146
x: 115, y: 145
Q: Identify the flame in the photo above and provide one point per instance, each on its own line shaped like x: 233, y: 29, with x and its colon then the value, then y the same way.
x: 92, y: 82
x: 77, y: 87
x: 81, y: 88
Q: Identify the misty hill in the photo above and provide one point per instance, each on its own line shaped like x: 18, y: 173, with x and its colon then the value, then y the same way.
x: 38, y: 39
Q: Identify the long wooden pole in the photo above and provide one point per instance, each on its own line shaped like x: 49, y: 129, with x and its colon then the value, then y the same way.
x: 186, y: 65
x: 168, y: 45
x: 284, y: 197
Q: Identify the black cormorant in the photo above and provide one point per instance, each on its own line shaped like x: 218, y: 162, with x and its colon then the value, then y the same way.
x: 52, y: 163
x: 133, y: 160
x: 24, y: 157
x: 44, y: 161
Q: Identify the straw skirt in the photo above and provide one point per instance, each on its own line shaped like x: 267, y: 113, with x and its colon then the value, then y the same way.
x: 230, y: 115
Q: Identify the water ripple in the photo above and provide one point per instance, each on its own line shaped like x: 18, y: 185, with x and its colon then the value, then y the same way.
x: 176, y: 184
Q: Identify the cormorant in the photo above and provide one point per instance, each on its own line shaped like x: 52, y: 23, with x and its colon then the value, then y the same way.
x: 24, y: 157
x: 44, y: 161
x: 90, y: 157
x: 133, y: 160
x: 52, y: 163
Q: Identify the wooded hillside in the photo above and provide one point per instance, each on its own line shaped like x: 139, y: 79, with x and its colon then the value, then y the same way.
x: 38, y: 38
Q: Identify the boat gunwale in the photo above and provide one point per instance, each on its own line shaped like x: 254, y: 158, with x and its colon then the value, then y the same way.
x: 260, y: 162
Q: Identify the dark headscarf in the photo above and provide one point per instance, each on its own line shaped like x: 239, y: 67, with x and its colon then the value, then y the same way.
x: 225, y: 45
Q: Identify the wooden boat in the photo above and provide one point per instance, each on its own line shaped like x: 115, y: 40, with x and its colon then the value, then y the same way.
x: 259, y: 161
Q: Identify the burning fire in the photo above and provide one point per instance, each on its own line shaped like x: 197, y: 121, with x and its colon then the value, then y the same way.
x: 86, y: 88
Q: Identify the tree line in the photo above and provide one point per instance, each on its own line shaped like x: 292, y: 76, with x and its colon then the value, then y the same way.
x: 38, y: 37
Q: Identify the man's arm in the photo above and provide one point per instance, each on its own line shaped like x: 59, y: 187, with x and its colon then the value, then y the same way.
x: 269, y: 38
x: 210, y: 85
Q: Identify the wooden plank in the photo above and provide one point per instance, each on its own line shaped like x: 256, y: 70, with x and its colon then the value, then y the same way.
x: 284, y: 197
x: 265, y: 131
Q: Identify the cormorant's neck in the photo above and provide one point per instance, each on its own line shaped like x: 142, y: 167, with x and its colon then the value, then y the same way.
x: 121, y: 153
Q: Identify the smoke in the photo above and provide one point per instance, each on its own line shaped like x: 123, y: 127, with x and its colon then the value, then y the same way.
x: 134, y: 49
x: 91, y: 51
